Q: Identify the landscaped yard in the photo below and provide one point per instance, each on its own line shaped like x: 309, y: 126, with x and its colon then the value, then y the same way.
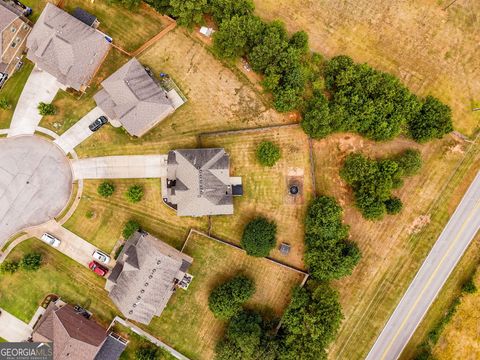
x: 22, y: 292
x: 188, y: 325
x: 265, y: 189
x: 129, y: 28
x: 12, y: 90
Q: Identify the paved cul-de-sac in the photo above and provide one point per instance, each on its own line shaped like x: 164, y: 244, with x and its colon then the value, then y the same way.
x: 35, y: 183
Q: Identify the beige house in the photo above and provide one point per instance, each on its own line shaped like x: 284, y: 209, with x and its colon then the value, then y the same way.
x: 67, y: 47
x: 14, y: 31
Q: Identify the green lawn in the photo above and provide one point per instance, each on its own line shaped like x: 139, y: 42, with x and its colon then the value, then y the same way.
x: 12, y: 90
x: 37, y: 7
x: 22, y: 292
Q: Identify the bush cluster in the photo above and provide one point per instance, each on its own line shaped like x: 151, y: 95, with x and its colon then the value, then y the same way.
x: 134, y: 193
x: 30, y: 262
x: 227, y: 299
x: 268, y: 153
x: 328, y: 254
x: 46, y: 109
x: 374, y: 104
x: 106, y: 189
x: 372, y: 181
x: 129, y: 228
x: 259, y: 237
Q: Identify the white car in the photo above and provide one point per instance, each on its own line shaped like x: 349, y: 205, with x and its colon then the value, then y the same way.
x: 50, y: 240
x: 100, y: 256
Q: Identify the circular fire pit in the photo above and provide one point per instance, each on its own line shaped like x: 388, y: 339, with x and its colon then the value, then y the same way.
x: 293, y: 190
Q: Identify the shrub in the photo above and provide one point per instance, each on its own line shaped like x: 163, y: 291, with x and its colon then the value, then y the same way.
x: 106, y: 189
x: 268, y: 153
x: 46, y: 109
x: 147, y: 353
x: 4, y: 104
x: 134, y: 193
x: 31, y: 261
x: 227, y: 299
x: 89, y: 214
x: 393, y: 205
x: 259, y: 237
x: 9, y: 266
x: 130, y: 227
x: 469, y: 287
x: 432, y: 121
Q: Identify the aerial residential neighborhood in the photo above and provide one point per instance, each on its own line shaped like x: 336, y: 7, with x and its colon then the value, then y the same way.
x: 239, y: 179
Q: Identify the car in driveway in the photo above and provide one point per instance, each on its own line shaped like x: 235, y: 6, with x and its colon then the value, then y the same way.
x: 101, y: 257
x: 50, y: 240
x: 97, y: 268
x: 98, y: 123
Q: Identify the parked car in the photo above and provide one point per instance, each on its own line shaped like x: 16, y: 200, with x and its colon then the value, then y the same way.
x: 97, y: 268
x: 98, y: 123
x: 3, y: 79
x: 101, y: 256
x: 25, y: 9
x: 50, y: 240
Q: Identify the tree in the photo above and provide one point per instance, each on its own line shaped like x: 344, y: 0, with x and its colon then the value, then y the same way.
x: 162, y: 6
x: 134, y: 193
x: 432, y: 121
x: 31, y: 261
x: 129, y: 228
x: 106, y: 189
x: 259, y: 237
x: 393, y: 205
x: 188, y: 12
x: 4, y: 104
x: 148, y: 352
x: 310, y: 322
x: 268, y: 153
x: 46, y: 109
x: 9, y: 267
x: 409, y: 162
x: 299, y: 40
x: 227, y: 299
x: 469, y: 287
x: 226, y: 9
x: 317, y: 122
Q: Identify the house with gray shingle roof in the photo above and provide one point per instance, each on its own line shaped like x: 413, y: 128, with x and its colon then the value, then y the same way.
x: 133, y: 98
x: 75, y: 335
x: 198, y: 182
x: 147, y: 273
x: 14, y: 30
x: 67, y: 48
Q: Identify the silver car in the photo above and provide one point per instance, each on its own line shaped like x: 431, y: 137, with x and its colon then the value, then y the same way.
x: 50, y: 240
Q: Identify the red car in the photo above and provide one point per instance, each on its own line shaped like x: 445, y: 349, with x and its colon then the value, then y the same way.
x: 97, y: 268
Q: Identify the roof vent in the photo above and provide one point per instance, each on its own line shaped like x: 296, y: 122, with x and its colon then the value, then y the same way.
x: 146, y: 284
x: 139, y: 297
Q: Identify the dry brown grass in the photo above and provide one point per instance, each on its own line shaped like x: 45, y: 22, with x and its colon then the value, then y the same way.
x: 265, y: 189
x: 460, y: 338
x: 433, y: 51
x: 188, y: 325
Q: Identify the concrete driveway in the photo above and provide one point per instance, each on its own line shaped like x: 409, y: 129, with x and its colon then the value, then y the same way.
x: 35, y: 183
x: 78, y: 132
x: 120, y: 167
x: 40, y: 87
x: 71, y: 245
x: 13, y: 329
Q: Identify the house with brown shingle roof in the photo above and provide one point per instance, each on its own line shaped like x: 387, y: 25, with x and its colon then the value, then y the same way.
x: 147, y: 273
x: 66, y: 47
x: 14, y: 30
x: 134, y: 99
x: 198, y: 182
x: 75, y: 335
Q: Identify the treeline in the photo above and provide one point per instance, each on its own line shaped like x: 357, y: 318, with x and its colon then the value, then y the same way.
x: 373, y: 180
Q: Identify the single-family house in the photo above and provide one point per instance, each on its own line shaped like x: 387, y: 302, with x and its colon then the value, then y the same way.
x: 14, y: 30
x: 67, y: 47
x: 147, y: 273
x: 199, y: 183
x: 132, y: 98
x: 75, y: 335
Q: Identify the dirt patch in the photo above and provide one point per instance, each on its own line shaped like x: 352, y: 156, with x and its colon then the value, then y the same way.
x: 418, y: 224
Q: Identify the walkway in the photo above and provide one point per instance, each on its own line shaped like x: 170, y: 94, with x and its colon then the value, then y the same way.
x: 435, y: 270
x: 40, y: 87
x: 13, y: 329
x: 78, y: 132
x: 120, y: 167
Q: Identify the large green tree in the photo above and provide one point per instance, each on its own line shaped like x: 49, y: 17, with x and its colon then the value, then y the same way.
x: 222, y: 10
x: 227, y: 299
x: 259, y: 237
x: 188, y: 12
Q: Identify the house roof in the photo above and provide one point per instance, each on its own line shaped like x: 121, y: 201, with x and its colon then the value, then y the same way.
x: 201, y: 182
x: 66, y: 47
x: 84, y: 16
x: 75, y: 337
x: 144, y: 277
x: 111, y: 349
x: 132, y: 97
x: 7, y: 16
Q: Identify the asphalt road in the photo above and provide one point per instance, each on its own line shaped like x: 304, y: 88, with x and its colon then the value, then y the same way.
x: 442, y: 259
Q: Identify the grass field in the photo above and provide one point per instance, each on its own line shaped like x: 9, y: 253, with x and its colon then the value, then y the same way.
x: 129, y: 28
x: 22, y: 292
x: 265, y: 189
x: 12, y: 90
x: 460, y: 338
x: 188, y: 325
x: 433, y: 51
